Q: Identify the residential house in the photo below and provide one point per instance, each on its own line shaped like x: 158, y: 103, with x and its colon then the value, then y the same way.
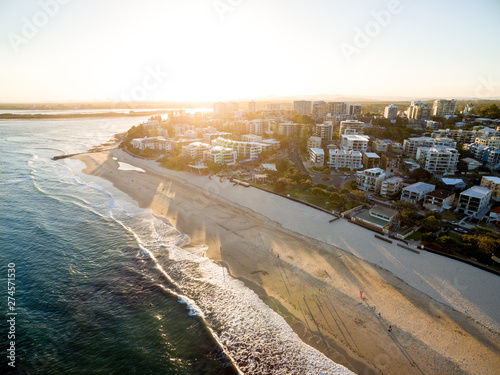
x: 416, y: 192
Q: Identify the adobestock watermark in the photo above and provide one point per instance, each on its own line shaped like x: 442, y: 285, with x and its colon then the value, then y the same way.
x: 32, y: 26
x: 224, y: 6
x: 487, y: 87
x: 151, y: 81
x: 364, y: 36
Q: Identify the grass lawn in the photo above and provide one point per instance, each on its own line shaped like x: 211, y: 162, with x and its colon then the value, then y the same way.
x: 417, y: 236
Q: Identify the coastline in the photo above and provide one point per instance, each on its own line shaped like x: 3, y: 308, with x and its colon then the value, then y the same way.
x: 243, y: 229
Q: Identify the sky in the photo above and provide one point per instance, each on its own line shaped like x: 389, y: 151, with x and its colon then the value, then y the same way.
x: 216, y: 50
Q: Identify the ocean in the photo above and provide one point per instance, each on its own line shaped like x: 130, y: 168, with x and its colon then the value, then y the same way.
x: 104, y: 287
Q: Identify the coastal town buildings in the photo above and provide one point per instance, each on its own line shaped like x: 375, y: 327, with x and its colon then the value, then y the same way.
x: 380, y: 145
x: 355, y: 109
x: 444, y: 108
x: 439, y: 200
x: 324, y: 131
x: 391, y: 186
x: 317, y: 156
x: 338, y: 108
x: 319, y: 110
x: 220, y: 155
x: 474, y: 202
x: 416, y: 192
x: 245, y: 150
x: 391, y: 112
x: 492, y: 183
x: 411, y: 145
x: 370, y: 160
x: 195, y: 150
x: 419, y: 111
x: 288, y: 129
x: 314, y: 142
x: 153, y: 143
x: 390, y: 163
x: 370, y: 180
x: 351, y: 127
x: 438, y: 159
x: 345, y: 159
x: 303, y: 107
x: 354, y: 142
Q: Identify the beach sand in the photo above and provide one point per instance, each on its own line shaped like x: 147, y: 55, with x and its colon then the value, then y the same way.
x: 311, y: 272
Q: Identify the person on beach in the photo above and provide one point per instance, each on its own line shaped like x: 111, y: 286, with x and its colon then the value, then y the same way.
x: 379, y: 314
x: 390, y: 329
x: 361, y: 294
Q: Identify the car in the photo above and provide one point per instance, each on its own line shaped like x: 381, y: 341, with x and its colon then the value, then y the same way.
x: 454, y: 223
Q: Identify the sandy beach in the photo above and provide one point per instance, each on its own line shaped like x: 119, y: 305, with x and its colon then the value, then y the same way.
x: 445, y: 315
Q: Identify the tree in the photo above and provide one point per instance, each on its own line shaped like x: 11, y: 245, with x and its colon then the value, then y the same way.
x: 462, y: 166
x: 282, y: 165
x: 488, y: 245
x: 421, y: 174
x: 430, y: 224
x: 429, y: 237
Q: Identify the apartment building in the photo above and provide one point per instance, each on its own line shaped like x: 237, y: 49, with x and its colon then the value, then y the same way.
x: 195, y: 150
x: 351, y: 127
x: 492, y: 183
x: 153, y: 143
x: 345, y: 159
x: 439, y: 200
x: 391, y: 112
x: 416, y: 192
x: 338, y: 108
x: 251, y: 138
x: 319, y: 109
x: 317, y: 156
x: 245, y: 150
x: 313, y: 142
x: 411, y: 145
x: 444, y: 107
x: 459, y: 136
x: 324, y: 131
x: 489, y: 142
x: 370, y: 160
x: 390, y: 163
x: 304, y: 107
x: 379, y: 145
x: 370, y: 179
x: 258, y: 126
x: 220, y: 155
x: 432, y: 125
x: 475, y: 202
x: 355, y: 109
x: 419, y: 111
x: 289, y: 129
x: 438, y: 159
x: 391, y: 187
x: 354, y: 142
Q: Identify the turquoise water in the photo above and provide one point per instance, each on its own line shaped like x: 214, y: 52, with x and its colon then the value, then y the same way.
x: 104, y: 287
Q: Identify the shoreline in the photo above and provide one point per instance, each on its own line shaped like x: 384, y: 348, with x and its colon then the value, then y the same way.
x: 306, y: 286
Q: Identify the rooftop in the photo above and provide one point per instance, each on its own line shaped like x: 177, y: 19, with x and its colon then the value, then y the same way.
x: 495, y: 180
x: 477, y: 192
x: 420, y: 187
x: 372, y: 155
x: 440, y: 194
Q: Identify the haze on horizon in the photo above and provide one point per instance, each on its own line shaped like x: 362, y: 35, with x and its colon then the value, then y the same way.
x: 211, y: 50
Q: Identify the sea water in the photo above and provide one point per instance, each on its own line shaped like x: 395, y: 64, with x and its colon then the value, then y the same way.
x: 104, y: 287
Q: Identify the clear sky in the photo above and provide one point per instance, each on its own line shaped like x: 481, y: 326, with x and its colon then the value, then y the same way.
x: 77, y: 50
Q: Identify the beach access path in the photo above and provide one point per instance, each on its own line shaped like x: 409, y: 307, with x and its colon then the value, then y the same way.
x: 445, y: 314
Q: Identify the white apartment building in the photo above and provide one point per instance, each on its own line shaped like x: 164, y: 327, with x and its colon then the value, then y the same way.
x: 319, y: 109
x: 355, y: 109
x: 313, y: 142
x: 345, y: 159
x: 411, y: 145
x: 338, y: 108
x: 220, y: 155
x: 288, y: 129
x: 195, y: 150
x: 492, y: 183
x: 252, y: 107
x: 317, y: 156
x: 245, y: 150
x: 419, y: 111
x: 370, y: 179
x: 251, y: 138
x: 354, y: 142
x: 438, y: 159
x: 391, y: 112
x: 379, y: 145
x: 351, y: 127
x: 490, y: 142
x: 474, y: 202
x: 258, y: 126
x: 416, y: 192
x: 444, y: 107
x: 324, y: 131
x: 153, y: 143
x: 391, y: 187
x: 447, y: 142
